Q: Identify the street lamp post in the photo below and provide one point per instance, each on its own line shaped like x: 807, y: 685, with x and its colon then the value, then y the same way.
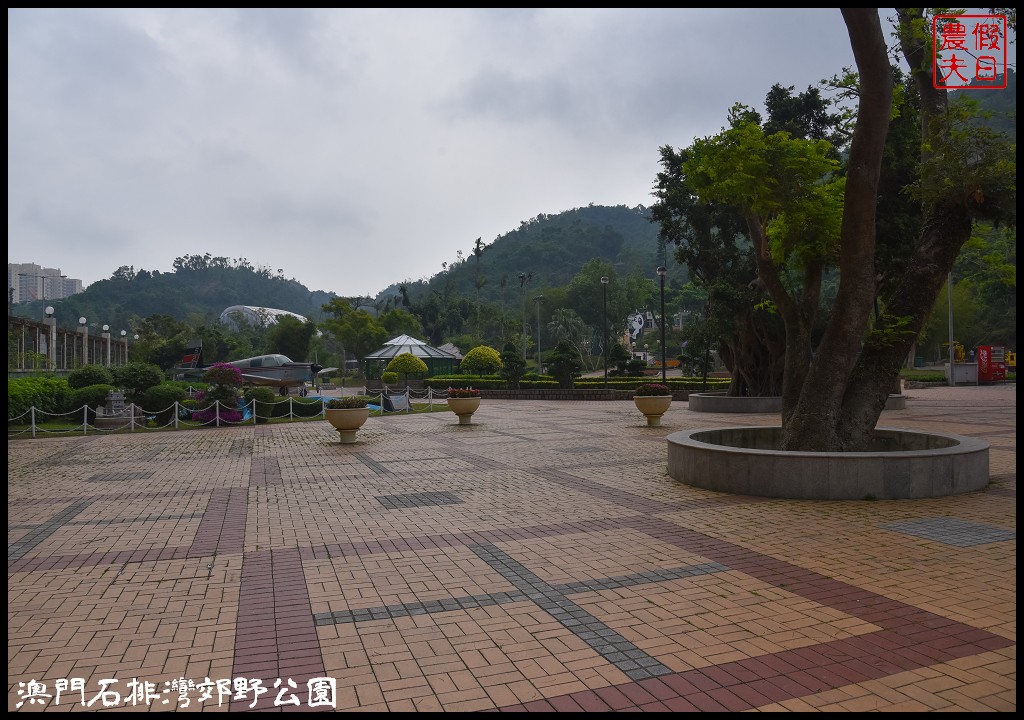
x: 84, y: 330
x: 952, y: 353
x: 524, y: 279
x: 124, y: 339
x: 604, y: 289
x: 707, y: 343
x: 106, y: 338
x: 661, y: 274
x: 51, y: 343
x: 539, y: 299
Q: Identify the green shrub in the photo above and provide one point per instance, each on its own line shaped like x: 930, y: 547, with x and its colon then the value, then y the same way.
x: 389, y: 378
x: 89, y: 375
x: 135, y: 378
x: 45, y: 392
x: 158, y: 401
x: 262, y: 401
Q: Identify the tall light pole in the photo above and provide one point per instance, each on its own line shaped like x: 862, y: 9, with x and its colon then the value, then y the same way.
x: 661, y: 274
x: 952, y: 354
x: 84, y: 329
x: 524, y: 278
x: 51, y: 342
x: 539, y: 299
x: 604, y: 289
x: 124, y: 339
x: 106, y: 338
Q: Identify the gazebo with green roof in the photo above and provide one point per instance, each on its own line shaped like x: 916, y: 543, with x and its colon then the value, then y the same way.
x: 439, y: 362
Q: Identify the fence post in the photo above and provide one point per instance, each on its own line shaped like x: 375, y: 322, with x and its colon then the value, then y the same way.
x: 85, y: 419
x: 131, y: 421
x: 32, y: 415
x: 253, y: 412
x: 430, y: 399
x: 291, y: 414
x: 216, y: 412
x: 408, y: 401
x: 176, y: 411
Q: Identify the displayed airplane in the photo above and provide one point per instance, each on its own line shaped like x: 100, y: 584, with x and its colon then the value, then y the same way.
x: 277, y: 371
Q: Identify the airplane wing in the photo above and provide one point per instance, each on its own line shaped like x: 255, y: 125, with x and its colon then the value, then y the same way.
x: 326, y: 370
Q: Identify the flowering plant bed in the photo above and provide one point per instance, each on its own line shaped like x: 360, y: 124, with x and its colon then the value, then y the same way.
x: 463, y: 393
x: 652, y: 389
x: 347, y: 402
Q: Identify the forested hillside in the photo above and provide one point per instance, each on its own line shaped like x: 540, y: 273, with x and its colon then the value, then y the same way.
x: 199, y: 288
x: 551, y: 248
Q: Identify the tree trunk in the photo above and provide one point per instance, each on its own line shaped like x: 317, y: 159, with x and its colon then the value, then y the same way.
x: 946, y: 227
x: 812, y: 423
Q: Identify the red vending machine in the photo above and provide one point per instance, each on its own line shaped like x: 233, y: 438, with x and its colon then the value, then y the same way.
x: 991, y: 363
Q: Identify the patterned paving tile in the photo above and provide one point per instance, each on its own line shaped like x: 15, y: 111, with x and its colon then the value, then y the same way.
x: 412, y: 500
x: 953, y: 531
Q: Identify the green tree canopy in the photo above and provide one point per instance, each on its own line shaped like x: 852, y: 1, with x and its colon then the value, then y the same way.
x: 292, y: 337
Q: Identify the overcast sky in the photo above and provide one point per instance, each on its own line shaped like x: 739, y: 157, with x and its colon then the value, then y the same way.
x: 356, y: 148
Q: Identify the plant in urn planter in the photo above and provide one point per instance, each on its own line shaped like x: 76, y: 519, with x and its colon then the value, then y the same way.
x: 653, y: 399
x: 463, y: 402
x: 347, y: 414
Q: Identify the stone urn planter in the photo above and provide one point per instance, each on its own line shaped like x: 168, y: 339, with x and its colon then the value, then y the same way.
x: 900, y: 464
x: 347, y: 420
x: 463, y: 402
x: 653, y: 400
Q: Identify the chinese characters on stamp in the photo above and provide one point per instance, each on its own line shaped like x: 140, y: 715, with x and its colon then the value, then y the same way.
x: 969, y: 52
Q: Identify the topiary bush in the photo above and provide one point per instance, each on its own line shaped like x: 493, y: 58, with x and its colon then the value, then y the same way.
x: 89, y: 375
x: 481, y: 360
x: 389, y: 378
x: 407, y: 364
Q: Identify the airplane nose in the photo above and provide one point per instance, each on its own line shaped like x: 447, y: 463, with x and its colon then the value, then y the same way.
x: 316, y: 369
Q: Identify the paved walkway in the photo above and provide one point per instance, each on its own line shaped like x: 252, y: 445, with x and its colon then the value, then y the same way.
x: 538, y: 559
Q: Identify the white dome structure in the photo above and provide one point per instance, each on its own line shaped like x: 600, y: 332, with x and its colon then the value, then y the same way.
x: 256, y: 316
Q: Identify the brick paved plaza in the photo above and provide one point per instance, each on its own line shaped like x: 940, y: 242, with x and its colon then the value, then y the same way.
x: 538, y: 559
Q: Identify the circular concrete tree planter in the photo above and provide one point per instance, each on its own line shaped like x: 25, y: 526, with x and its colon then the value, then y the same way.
x: 903, y: 464
x: 719, y: 402
x: 347, y: 421
x: 464, y: 408
x: 653, y: 407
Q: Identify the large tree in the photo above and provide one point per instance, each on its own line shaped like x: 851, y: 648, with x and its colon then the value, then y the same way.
x: 802, y: 219
x: 966, y: 174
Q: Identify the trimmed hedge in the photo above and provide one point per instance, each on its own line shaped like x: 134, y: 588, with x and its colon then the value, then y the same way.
x: 301, y: 407
x: 542, y: 382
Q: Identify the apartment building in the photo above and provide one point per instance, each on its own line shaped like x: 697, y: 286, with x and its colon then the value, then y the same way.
x: 27, y: 282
